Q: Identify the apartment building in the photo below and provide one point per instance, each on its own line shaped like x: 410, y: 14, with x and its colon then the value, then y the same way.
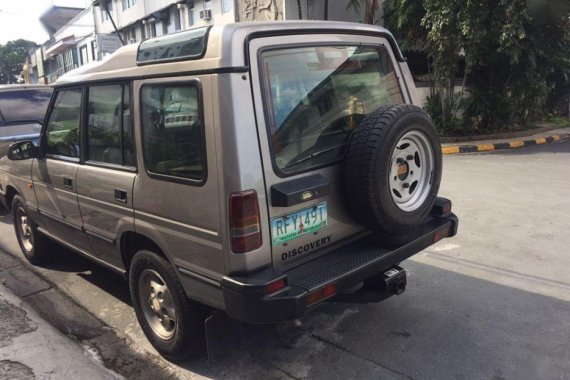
x: 136, y: 20
x: 80, y: 36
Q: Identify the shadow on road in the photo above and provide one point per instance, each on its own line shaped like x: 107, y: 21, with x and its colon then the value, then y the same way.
x: 5, y: 216
x: 446, y: 325
x: 67, y: 261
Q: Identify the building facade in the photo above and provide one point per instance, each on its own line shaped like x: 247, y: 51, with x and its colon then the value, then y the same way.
x: 80, y: 36
x: 136, y: 20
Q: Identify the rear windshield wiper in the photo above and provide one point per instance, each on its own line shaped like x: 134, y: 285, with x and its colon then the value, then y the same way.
x: 312, y: 155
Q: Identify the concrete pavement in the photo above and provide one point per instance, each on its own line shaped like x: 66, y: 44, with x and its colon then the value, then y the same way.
x: 491, y: 303
x: 30, y: 348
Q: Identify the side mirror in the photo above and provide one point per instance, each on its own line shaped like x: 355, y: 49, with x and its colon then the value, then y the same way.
x: 21, y: 150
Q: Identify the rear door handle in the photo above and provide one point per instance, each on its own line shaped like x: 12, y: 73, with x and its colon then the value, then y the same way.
x: 67, y: 183
x: 121, y: 196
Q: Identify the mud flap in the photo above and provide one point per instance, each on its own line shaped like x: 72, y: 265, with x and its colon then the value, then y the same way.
x: 223, y: 334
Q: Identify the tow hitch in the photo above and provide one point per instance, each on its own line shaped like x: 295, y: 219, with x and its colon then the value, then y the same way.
x: 377, y: 288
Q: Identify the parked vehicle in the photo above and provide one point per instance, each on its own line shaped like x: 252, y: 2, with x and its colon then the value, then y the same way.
x: 22, y: 112
x: 256, y: 168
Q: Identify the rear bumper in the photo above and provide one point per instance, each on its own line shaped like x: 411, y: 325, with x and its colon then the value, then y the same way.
x: 246, y: 298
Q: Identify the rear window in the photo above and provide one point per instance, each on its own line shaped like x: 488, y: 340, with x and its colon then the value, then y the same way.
x: 317, y: 95
x: 24, y: 105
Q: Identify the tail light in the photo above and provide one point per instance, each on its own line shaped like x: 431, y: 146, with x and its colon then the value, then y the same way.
x: 245, y: 223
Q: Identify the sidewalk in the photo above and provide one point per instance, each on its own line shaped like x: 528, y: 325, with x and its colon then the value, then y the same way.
x: 44, y: 334
x: 30, y: 348
x: 499, y: 144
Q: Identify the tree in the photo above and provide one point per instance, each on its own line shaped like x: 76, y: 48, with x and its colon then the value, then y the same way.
x: 516, y: 52
x: 371, y: 8
x: 12, y: 57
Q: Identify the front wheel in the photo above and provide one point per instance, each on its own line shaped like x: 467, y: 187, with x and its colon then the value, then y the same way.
x: 31, y: 241
x: 172, y: 323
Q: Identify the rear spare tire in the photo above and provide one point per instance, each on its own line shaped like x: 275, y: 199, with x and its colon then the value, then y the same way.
x: 393, y: 169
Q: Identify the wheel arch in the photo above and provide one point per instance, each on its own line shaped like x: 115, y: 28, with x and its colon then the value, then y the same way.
x: 131, y: 242
x: 11, y: 192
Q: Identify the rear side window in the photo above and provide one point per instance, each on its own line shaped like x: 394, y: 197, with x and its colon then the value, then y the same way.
x: 24, y: 105
x: 172, y: 130
x: 317, y: 95
x: 109, y: 128
x: 63, y: 132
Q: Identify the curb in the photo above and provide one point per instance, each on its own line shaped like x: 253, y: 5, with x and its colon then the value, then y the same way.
x: 455, y: 149
x: 107, y: 347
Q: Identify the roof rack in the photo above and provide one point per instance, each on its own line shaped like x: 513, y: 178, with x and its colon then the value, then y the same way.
x: 186, y: 45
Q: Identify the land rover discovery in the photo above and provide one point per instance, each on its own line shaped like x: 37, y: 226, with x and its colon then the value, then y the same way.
x: 255, y: 168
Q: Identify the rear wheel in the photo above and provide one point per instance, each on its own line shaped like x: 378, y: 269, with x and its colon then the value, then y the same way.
x: 393, y: 170
x: 32, y: 242
x: 172, y: 323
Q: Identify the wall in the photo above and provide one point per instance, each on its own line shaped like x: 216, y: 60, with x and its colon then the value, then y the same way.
x: 314, y: 10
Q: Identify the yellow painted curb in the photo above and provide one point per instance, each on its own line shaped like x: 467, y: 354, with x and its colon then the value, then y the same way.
x: 450, y: 150
x: 541, y: 141
x: 485, y: 147
x: 516, y: 144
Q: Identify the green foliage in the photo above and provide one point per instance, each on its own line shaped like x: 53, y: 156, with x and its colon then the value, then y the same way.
x: 517, y: 56
x: 371, y: 8
x: 12, y: 57
x: 436, y: 105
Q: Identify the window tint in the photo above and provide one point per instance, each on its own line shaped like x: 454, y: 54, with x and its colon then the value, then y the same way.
x: 109, y: 136
x: 172, y: 130
x: 24, y: 105
x: 63, y: 133
x: 318, y: 95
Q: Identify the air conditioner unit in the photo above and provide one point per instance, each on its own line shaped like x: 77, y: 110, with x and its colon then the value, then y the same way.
x: 206, y: 14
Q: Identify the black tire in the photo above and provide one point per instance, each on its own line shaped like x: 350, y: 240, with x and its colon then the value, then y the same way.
x: 33, y: 244
x: 187, y: 338
x: 368, y: 170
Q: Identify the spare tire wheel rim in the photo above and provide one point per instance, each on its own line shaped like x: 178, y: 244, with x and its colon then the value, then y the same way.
x: 411, y: 171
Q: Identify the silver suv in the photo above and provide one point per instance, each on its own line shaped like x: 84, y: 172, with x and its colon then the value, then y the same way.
x: 256, y: 168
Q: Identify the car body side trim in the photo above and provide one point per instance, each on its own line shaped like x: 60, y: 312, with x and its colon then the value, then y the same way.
x: 82, y: 252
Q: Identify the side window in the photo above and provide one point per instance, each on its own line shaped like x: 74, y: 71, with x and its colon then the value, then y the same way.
x: 109, y: 129
x: 172, y: 130
x: 63, y: 132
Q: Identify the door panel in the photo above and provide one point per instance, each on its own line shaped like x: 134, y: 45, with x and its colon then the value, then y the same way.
x: 55, y: 187
x: 176, y: 194
x: 106, y: 204
x: 105, y: 181
x: 54, y: 176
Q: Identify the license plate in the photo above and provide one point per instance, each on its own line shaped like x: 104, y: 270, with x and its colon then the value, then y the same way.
x: 298, y: 223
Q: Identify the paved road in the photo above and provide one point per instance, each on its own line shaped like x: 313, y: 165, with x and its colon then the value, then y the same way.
x: 492, y: 303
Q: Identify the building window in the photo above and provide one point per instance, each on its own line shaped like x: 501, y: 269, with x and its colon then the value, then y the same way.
x: 104, y: 14
x: 70, y: 60
x: 130, y: 35
x: 128, y: 3
x: 83, y: 56
x: 207, y: 4
x: 227, y: 6
x: 150, y: 29
x: 190, y: 16
x: 176, y: 15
